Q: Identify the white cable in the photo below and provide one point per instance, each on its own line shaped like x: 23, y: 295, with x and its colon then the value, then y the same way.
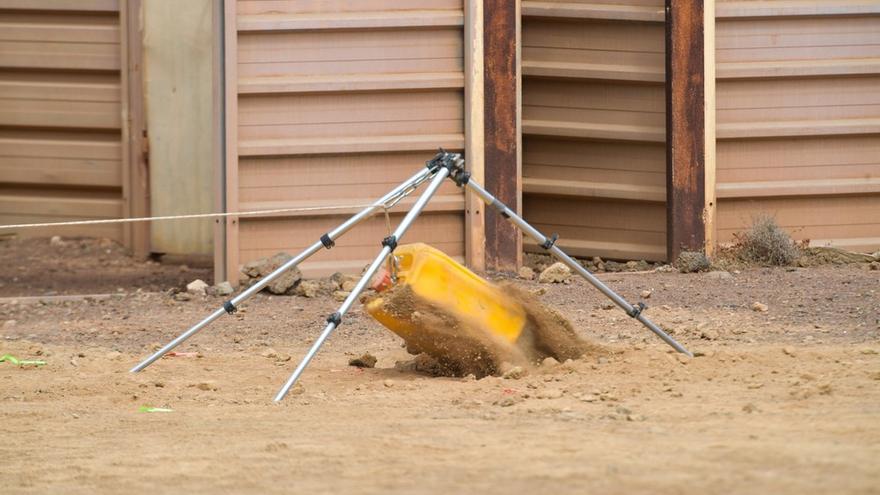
x: 181, y: 217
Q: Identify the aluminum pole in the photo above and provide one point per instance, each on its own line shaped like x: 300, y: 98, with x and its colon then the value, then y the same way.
x: 574, y: 265
x: 230, y: 306
x: 335, y: 319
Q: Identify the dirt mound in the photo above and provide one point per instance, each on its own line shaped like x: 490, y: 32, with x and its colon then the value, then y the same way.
x: 547, y: 333
x: 459, y: 349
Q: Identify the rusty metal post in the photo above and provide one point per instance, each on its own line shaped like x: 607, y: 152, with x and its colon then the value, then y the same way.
x: 502, y: 169
x: 685, y: 127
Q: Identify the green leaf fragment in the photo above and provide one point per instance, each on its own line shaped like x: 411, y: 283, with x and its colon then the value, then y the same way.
x: 148, y: 409
x: 21, y: 362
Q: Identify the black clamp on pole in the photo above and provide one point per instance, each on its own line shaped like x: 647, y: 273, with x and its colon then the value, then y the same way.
x: 550, y: 241
x: 229, y: 307
x: 435, y: 163
x: 637, y: 310
x: 461, y: 178
x: 327, y: 241
x: 498, y: 205
x: 335, y: 318
x: 390, y: 242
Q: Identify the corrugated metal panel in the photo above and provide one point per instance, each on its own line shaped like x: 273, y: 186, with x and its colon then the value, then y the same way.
x: 60, y: 114
x: 798, y: 119
x: 594, y: 125
x: 337, y: 103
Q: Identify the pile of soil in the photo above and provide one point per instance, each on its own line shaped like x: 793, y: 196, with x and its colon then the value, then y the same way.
x: 457, y: 348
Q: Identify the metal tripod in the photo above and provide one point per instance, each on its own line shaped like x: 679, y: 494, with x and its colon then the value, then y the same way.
x: 443, y: 165
x: 326, y: 241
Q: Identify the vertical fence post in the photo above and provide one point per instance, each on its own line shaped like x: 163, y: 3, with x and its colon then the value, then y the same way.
x: 685, y: 127
x: 135, y: 174
x: 475, y: 150
x: 501, y: 42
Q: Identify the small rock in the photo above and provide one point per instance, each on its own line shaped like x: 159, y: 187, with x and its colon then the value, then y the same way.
x: 269, y: 353
x: 206, y: 386
x: 759, y: 307
x: 297, y: 389
x: 709, y: 334
x: 348, y: 284
x: 549, y: 393
x: 789, y: 351
x: 549, y: 362
x: 683, y: 359
x: 113, y: 356
x: 749, y: 408
x: 340, y: 295
x: 388, y: 383
x: 9, y: 324
x: 869, y: 351
x: 336, y: 279
x: 514, y: 373
x: 875, y: 265
x: 223, y: 289
x: 57, y: 241
x: 635, y: 417
x: 197, y: 287
x: 365, y: 361
x: 526, y: 273
x: 308, y: 288
x: 182, y: 296
x: 507, y: 401
x: 692, y: 261
x: 646, y: 294
x: 589, y: 398
x: 554, y: 274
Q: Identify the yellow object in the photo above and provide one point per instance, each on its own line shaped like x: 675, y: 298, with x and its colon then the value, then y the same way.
x: 437, y: 279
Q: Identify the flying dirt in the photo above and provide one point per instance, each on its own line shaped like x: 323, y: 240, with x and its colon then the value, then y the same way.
x: 466, y: 324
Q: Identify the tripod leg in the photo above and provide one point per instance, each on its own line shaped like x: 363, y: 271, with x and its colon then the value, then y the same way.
x: 548, y: 244
x: 389, y: 243
x: 326, y: 241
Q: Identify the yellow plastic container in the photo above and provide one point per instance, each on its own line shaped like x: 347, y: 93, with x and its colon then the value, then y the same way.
x: 439, y: 280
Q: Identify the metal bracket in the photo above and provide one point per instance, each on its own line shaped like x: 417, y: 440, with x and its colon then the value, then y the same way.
x: 391, y: 242
x: 550, y: 241
x: 637, y: 310
x: 327, y: 241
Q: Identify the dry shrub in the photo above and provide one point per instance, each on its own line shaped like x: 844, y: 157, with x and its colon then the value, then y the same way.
x: 767, y: 243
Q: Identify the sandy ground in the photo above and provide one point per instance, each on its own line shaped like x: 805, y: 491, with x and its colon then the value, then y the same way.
x: 782, y: 401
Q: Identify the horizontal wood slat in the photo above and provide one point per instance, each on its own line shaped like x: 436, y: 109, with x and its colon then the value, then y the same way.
x: 62, y: 5
x: 584, y: 189
x: 350, y: 20
x: 794, y: 8
x: 604, y: 11
x: 351, y: 83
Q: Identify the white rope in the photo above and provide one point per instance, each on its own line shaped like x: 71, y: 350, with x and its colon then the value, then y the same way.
x: 182, y: 217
